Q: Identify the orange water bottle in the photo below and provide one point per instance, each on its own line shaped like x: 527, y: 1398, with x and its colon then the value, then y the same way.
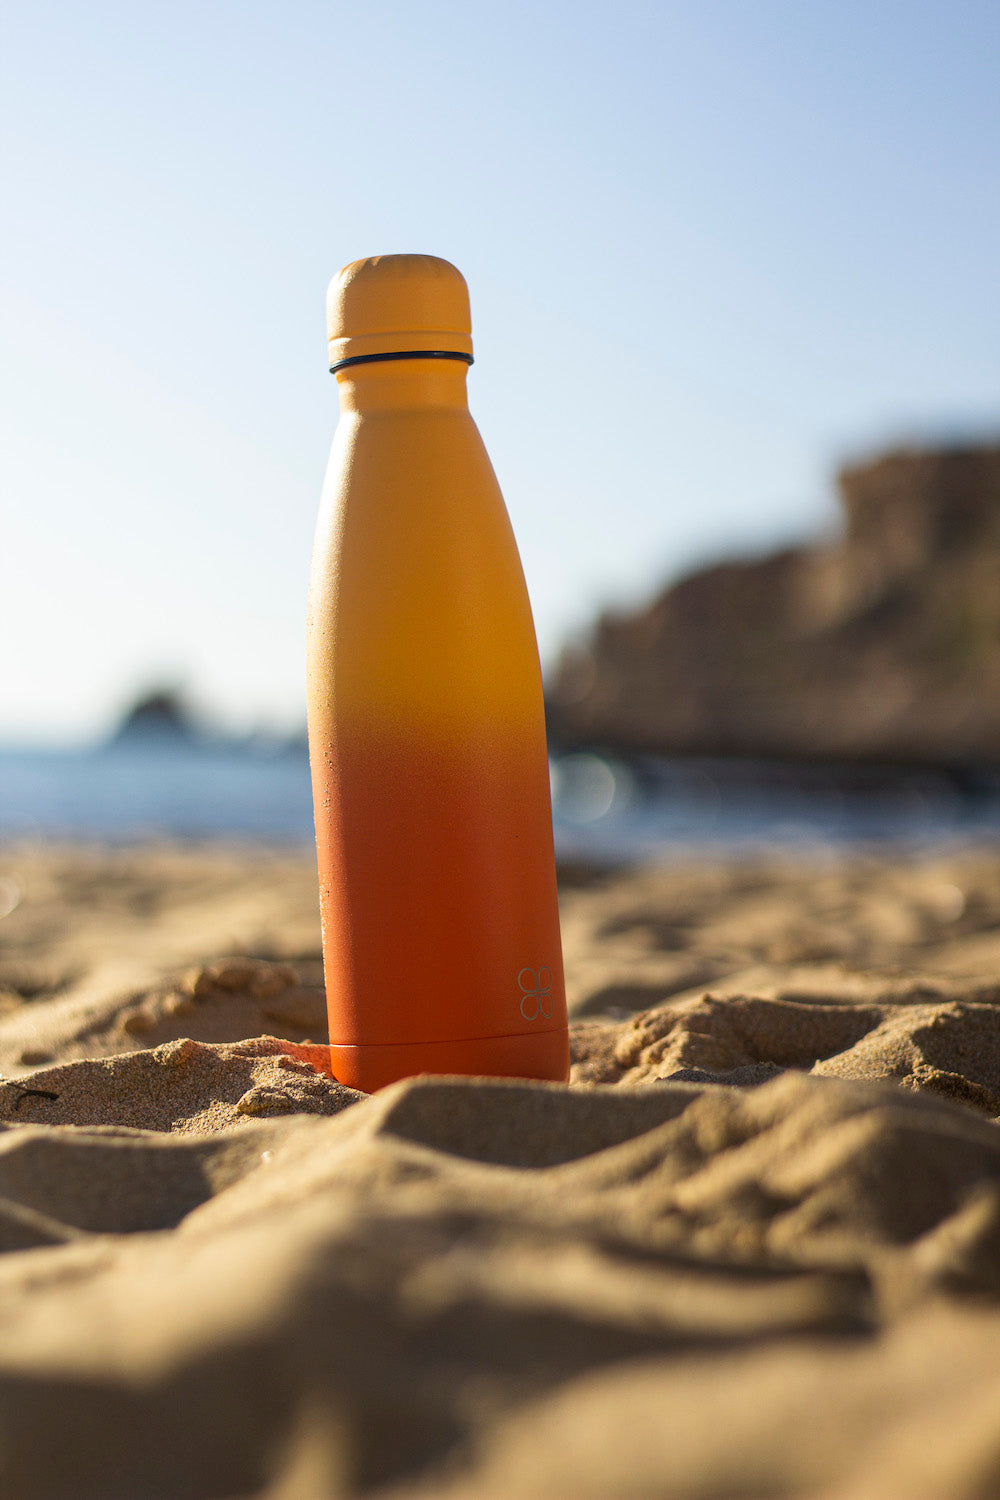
x: 426, y: 731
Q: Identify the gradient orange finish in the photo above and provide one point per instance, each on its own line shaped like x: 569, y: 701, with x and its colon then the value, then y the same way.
x: 427, y: 741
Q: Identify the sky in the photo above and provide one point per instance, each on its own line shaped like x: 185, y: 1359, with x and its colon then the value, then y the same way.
x: 714, y: 249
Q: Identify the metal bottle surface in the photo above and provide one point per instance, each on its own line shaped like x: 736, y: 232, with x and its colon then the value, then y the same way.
x: 426, y: 727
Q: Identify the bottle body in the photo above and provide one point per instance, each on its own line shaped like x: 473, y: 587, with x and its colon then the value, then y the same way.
x: 427, y: 743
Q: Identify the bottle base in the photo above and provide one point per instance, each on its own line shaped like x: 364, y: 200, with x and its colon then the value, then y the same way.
x: 533, y: 1054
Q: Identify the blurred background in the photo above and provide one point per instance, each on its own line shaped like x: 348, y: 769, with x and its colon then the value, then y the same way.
x: 718, y: 254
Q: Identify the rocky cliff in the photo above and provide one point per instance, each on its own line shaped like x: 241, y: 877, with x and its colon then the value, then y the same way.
x: 884, y: 646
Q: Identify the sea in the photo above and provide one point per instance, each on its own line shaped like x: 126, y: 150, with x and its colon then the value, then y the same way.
x: 604, y: 808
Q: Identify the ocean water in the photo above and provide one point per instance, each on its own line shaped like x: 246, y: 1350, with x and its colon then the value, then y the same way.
x: 602, y: 808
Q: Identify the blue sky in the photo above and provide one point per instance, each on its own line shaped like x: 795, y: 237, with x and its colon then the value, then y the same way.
x: 713, y: 248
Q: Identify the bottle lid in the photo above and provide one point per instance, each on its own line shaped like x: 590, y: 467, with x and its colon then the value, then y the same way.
x: 398, y: 307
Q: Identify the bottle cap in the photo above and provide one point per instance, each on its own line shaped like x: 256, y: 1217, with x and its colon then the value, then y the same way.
x: 398, y: 306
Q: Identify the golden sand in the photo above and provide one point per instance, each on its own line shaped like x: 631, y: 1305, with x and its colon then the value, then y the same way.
x: 753, y: 1249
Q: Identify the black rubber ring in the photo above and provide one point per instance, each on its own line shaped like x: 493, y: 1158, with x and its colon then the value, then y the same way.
x: 371, y: 359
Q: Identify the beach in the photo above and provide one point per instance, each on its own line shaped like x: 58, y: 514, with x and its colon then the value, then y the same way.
x: 752, y: 1249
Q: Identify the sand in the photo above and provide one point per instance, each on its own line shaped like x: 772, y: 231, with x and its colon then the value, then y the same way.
x: 752, y: 1250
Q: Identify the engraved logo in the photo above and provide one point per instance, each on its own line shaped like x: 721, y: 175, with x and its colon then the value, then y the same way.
x: 536, y: 993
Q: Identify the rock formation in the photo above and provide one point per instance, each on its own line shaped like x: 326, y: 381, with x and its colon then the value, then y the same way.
x: 884, y: 646
x: 159, y: 718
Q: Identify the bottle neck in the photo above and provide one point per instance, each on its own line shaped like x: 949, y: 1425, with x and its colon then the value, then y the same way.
x: 396, y: 383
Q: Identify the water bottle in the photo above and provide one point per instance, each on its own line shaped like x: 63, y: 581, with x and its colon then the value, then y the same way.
x: 427, y: 743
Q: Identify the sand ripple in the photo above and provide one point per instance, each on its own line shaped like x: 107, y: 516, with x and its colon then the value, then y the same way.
x: 754, y: 1249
